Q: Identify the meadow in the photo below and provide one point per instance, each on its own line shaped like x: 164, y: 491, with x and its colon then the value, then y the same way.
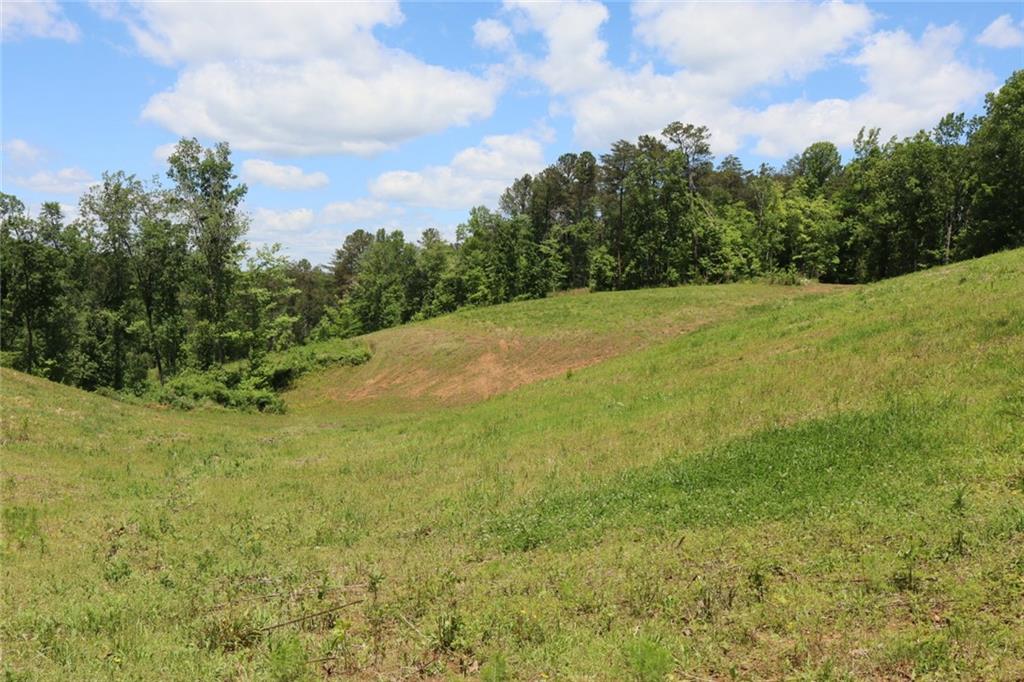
x: 738, y: 481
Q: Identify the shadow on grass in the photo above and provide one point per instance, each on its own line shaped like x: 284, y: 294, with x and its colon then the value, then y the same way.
x: 820, y: 467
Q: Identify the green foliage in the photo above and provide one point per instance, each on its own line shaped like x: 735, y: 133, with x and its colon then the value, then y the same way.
x: 788, y: 277
x: 286, y: 659
x: 346, y: 263
x: 338, y: 322
x: 21, y: 527
x: 204, y: 194
x: 447, y: 630
x: 495, y: 670
x: 255, y: 385
x: 279, y: 371
x: 149, y: 279
x: 224, y: 387
x: 997, y: 147
x: 647, y: 660
x: 770, y: 476
x: 602, y: 270
x: 381, y: 296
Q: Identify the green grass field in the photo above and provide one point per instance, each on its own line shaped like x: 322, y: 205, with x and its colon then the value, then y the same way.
x: 732, y: 482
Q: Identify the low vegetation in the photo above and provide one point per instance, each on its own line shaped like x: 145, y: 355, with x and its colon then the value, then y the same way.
x: 249, y: 385
x: 738, y: 481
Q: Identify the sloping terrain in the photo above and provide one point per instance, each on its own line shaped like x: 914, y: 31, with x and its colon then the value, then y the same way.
x: 475, y: 354
x: 812, y: 487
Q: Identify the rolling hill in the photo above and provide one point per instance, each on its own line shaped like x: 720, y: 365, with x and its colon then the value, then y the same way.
x: 725, y: 482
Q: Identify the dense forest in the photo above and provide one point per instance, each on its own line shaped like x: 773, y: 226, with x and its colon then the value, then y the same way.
x: 153, y: 280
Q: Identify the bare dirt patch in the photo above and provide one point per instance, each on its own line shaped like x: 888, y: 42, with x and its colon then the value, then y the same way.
x: 452, y: 361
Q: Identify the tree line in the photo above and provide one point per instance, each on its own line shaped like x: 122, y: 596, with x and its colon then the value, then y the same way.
x: 151, y: 280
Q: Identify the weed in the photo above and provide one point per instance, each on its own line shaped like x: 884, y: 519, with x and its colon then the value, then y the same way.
x: 758, y: 582
x: 21, y: 525
x: 528, y: 628
x: 647, y: 660
x: 229, y: 631
x: 447, y: 630
x: 958, y: 544
x: 644, y: 595
x: 116, y: 570
x: 1016, y: 480
x: 339, y: 645
x: 286, y: 659
x: 495, y: 670
x: 904, y: 577
x: 959, y: 504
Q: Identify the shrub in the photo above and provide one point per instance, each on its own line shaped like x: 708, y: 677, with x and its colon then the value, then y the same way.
x: 788, y: 277
x: 250, y: 386
x: 280, y: 370
x: 191, y: 389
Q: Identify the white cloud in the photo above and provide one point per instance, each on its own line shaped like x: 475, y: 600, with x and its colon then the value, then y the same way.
x: 576, y: 56
x: 196, y: 33
x: 739, y: 45
x: 922, y: 72
x: 320, y: 106
x: 268, y: 222
x: 314, y: 235
x: 476, y: 175
x: 360, y: 210
x: 911, y: 85
x: 280, y: 176
x: 317, y: 244
x: 719, y: 52
x: 20, y: 151
x: 643, y: 102
x: 108, y: 9
x: 607, y: 102
x: 492, y: 34
x: 1002, y: 33
x: 36, y: 19
x: 299, y: 79
x: 64, y: 181
x: 164, y: 151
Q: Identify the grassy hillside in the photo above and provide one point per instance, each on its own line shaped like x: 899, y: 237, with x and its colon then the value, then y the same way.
x: 477, y: 353
x: 707, y: 483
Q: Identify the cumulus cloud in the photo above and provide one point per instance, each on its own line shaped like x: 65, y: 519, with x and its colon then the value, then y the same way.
x: 1002, y: 33
x: 492, y: 34
x: 172, y: 33
x: 164, y: 151
x: 718, y: 53
x: 358, y: 211
x: 911, y: 84
x: 299, y: 79
x: 315, y: 234
x: 576, y: 58
x: 63, y: 181
x: 476, y: 175
x: 259, y: 171
x: 902, y: 70
x: 739, y: 45
x: 36, y: 19
x: 267, y: 221
x: 21, y: 152
x: 643, y: 102
x: 293, y: 228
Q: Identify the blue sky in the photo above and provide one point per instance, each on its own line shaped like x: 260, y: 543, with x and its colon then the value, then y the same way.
x: 394, y: 115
